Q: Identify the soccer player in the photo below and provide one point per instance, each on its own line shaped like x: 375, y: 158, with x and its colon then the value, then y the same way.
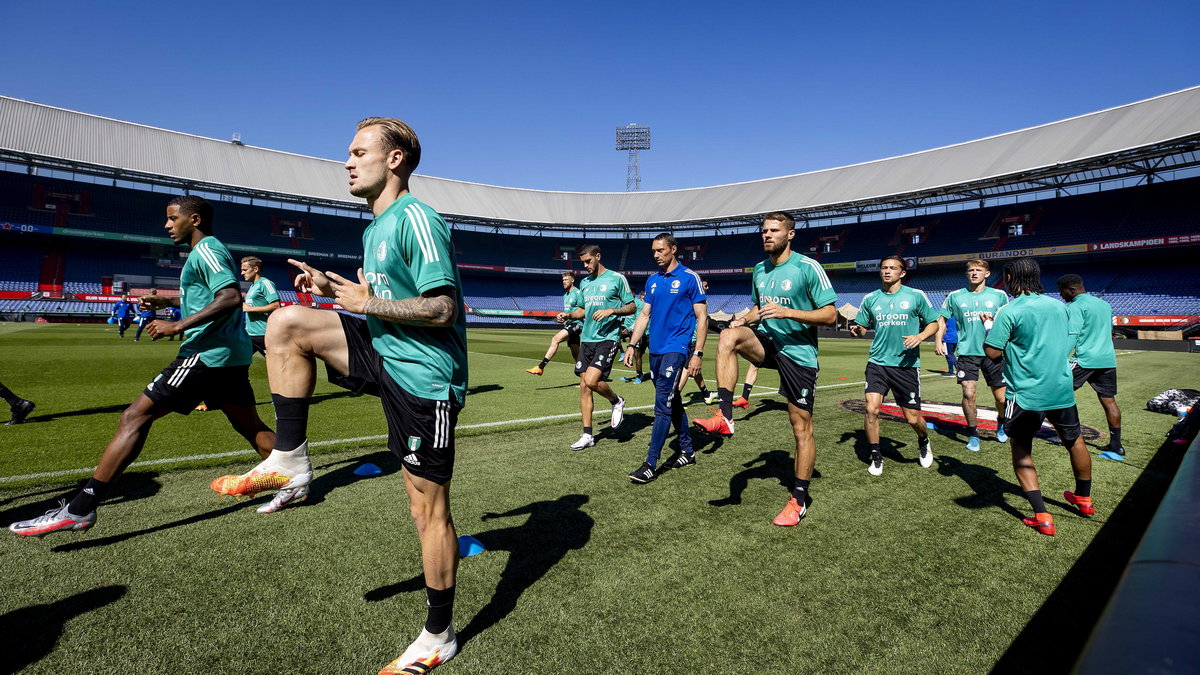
x: 571, y: 330
x: 951, y: 342
x: 1031, y: 335
x: 792, y: 296
x: 145, y: 315
x: 606, y: 298
x: 896, y: 312
x: 411, y: 351
x: 261, y: 300
x: 20, y: 407
x: 123, y: 312
x: 1095, y: 359
x: 213, y: 365
x: 675, y: 305
x: 640, y: 346
x: 973, y: 309
x: 173, y: 314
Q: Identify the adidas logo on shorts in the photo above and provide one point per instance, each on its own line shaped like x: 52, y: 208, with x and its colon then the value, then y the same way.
x: 411, y: 458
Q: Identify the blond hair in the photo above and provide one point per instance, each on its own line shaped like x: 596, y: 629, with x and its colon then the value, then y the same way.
x: 397, y: 135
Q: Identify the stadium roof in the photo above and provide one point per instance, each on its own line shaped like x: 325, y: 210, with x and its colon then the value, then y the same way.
x: 1135, y: 137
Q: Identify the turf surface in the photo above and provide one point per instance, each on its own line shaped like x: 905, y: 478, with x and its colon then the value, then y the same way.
x: 913, y: 571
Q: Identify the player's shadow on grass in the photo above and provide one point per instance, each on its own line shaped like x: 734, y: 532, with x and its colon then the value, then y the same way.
x: 324, y: 483
x: 118, y: 538
x: 484, y: 388
x: 775, y: 464
x: 764, y: 405
x: 887, y: 447
x: 990, y: 489
x: 103, y: 410
x: 553, y: 529
x: 569, y: 385
x: 633, y: 423
x: 131, y: 487
x: 30, y: 633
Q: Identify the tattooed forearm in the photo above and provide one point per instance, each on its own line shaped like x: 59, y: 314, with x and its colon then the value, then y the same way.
x: 437, y: 310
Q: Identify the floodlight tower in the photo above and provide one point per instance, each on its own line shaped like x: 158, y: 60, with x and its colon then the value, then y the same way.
x: 633, y: 137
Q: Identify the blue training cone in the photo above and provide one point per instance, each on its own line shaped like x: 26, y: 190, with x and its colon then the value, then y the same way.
x: 469, y: 546
x: 368, y: 469
x: 1112, y: 455
x: 930, y: 425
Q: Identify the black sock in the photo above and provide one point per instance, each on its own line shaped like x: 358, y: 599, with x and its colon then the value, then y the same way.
x: 704, y: 392
x: 441, y: 609
x: 972, y: 431
x: 85, y: 502
x: 1035, y: 500
x: 875, y: 451
x: 923, y: 439
x: 725, y: 396
x: 11, y: 398
x: 800, y: 492
x: 746, y: 387
x: 543, y: 363
x: 641, y: 375
x: 291, y: 420
x: 1083, y: 488
x: 1114, y: 440
x: 587, y: 430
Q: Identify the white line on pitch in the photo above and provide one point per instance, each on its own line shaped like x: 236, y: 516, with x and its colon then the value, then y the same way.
x: 342, y: 441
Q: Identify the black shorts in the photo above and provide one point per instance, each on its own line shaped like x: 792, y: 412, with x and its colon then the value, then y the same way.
x: 797, y: 383
x: 597, y: 355
x: 574, y: 330
x: 420, y: 430
x: 969, y: 367
x: 1103, y: 380
x: 187, y: 382
x: 1023, y: 425
x: 259, y: 342
x: 904, y: 383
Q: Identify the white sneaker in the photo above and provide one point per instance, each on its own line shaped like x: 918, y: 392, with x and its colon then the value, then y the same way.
x: 427, y: 652
x: 283, y: 498
x: 279, y: 471
x: 618, y: 413
x: 875, y: 468
x: 585, y: 441
x: 925, y: 458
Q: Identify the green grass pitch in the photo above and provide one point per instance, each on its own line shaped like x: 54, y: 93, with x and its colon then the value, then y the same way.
x: 918, y: 570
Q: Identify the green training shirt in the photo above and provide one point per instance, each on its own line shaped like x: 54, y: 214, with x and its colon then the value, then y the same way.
x: 797, y: 283
x: 406, y: 252
x: 966, y: 307
x: 893, y: 316
x: 572, y: 300
x: 638, y: 304
x: 1032, y: 331
x: 223, y: 340
x: 262, y: 292
x: 606, y: 291
x: 1091, y: 321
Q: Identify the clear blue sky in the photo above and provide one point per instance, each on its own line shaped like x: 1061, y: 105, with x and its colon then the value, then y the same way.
x: 528, y: 94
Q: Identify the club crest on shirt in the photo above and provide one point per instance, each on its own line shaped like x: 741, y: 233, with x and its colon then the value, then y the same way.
x: 786, y: 285
x: 675, y: 284
x: 381, y: 251
x: 904, y: 304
